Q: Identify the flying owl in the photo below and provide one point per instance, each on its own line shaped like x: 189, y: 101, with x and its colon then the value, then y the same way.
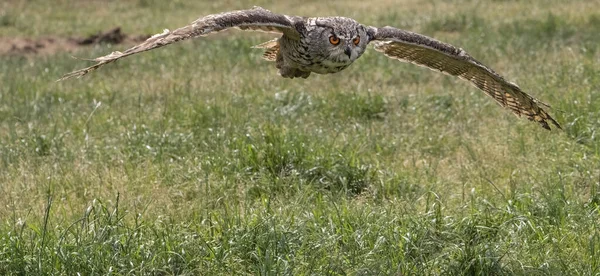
x: 325, y: 45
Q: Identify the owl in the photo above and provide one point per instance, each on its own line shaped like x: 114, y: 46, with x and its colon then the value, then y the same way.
x: 326, y: 45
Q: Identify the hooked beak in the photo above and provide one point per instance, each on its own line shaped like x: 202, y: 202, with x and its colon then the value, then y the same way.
x: 348, y: 51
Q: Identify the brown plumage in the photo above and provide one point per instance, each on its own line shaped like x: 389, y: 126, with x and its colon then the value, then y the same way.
x: 330, y: 44
x: 421, y: 50
x: 271, y: 49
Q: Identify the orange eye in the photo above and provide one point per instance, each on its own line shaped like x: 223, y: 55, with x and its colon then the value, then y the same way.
x: 356, y: 40
x: 334, y: 40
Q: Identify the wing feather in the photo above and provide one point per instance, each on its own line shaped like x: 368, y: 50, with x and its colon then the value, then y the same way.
x: 433, y: 54
x: 272, y: 49
x: 256, y: 19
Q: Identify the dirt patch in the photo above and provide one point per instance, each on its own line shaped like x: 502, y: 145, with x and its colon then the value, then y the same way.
x: 50, y: 45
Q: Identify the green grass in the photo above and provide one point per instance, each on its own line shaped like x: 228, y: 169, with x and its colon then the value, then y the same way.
x: 198, y: 159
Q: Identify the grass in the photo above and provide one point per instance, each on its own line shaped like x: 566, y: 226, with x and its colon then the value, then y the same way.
x: 198, y: 159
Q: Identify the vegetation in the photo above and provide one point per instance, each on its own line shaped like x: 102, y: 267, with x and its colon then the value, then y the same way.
x: 198, y: 159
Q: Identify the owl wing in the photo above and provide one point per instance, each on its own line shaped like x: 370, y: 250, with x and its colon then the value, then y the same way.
x: 257, y: 19
x: 436, y: 55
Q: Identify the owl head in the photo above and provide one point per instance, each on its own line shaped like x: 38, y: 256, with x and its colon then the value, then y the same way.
x: 340, y: 39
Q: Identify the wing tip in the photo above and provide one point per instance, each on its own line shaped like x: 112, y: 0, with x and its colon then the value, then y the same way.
x: 77, y: 74
x: 555, y: 123
x: 544, y: 122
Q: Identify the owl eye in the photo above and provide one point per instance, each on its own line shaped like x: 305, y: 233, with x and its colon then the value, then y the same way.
x: 334, y: 40
x: 356, y: 40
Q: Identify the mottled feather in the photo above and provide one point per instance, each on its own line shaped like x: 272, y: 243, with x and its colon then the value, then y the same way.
x: 433, y: 54
x: 256, y: 19
x: 271, y: 49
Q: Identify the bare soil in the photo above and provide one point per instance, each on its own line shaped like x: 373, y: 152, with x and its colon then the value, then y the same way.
x: 52, y: 44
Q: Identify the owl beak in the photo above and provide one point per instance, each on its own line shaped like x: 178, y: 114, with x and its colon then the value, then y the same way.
x: 348, y: 51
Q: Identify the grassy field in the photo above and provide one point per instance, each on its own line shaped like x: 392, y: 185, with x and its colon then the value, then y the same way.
x: 198, y: 159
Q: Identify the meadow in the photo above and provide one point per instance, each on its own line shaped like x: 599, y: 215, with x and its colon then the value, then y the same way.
x: 198, y: 159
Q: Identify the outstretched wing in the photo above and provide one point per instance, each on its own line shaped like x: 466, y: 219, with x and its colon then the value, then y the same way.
x: 425, y: 51
x: 258, y: 19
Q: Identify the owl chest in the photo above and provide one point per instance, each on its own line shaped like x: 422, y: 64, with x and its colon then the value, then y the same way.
x: 298, y: 52
x: 327, y: 66
x: 301, y: 56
